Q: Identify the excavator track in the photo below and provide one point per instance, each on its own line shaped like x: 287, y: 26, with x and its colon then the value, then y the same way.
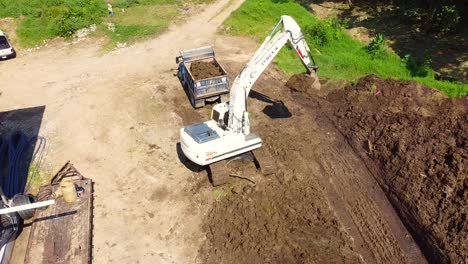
x: 218, y: 173
x: 264, y: 160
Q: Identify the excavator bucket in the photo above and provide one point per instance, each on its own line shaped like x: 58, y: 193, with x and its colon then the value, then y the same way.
x: 316, y: 82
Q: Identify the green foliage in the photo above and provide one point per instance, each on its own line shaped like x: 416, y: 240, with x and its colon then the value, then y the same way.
x: 130, y: 3
x: 338, y: 55
x: 323, y: 32
x: 376, y: 48
x: 124, y: 33
x: 67, y: 20
x: 416, y: 69
x: 139, y: 22
x: 50, y: 18
x: 447, y: 19
x: 44, y: 19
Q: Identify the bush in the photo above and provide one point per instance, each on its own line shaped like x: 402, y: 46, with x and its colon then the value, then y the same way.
x: 71, y: 18
x: 321, y: 34
x: 416, y: 69
x: 376, y: 48
x: 47, y: 19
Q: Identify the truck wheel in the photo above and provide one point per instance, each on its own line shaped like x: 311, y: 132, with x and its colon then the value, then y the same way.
x: 199, y: 103
x: 192, y: 101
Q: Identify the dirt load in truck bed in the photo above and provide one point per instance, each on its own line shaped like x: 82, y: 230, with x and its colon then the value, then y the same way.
x: 205, y: 69
x: 417, y: 142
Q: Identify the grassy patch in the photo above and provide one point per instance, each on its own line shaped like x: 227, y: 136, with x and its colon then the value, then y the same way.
x: 339, y: 56
x: 42, y: 20
x: 133, y: 19
x: 37, y: 177
x: 138, y: 22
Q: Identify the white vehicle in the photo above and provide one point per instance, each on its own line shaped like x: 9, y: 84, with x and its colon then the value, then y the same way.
x: 227, y: 134
x: 6, y: 50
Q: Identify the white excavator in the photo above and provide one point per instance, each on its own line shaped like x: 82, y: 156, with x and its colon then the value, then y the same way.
x: 227, y: 134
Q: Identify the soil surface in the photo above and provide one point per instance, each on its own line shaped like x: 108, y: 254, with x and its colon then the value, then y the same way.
x: 321, y: 206
x: 418, y: 141
x: 205, y: 69
x: 117, y: 119
x: 277, y: 224
x: 300, y: 83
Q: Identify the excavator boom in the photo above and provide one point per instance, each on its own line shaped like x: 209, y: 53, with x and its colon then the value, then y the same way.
x: 278, y: 38
x: 227, y: 134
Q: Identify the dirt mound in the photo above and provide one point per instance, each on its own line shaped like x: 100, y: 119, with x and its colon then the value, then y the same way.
x: 300, y: 83
x: 205, y: 69
x: 285, y: 222
x: 418, y: 141
x: 321, y: 206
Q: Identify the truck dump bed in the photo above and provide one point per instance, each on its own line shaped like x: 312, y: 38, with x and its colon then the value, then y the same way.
x: 202, y: 75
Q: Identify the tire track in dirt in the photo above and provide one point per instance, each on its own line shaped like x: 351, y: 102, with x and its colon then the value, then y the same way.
x: 363, y: 212
x: 310, y: 152
x: 358, y: 200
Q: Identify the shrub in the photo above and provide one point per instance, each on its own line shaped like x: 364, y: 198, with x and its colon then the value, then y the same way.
x: 416, y: 69
x: 324, y: 32
x: 376, y: 48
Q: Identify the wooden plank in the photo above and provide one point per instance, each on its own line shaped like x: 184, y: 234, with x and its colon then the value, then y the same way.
x: 62, y: 233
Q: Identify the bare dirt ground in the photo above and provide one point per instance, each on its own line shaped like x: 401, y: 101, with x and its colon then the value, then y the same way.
x: 117, y: 117
x: 417, y: 138
x: 114, y: 117
x: 322, y: 206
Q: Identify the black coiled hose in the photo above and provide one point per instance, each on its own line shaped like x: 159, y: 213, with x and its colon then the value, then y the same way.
x: 11, y: 154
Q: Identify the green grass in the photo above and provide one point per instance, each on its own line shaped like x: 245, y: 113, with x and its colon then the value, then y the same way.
x: 37, y: 177
x: 43, y: 19
x: 339, y: 56
x: 138, y: 22
x: 40, y: 20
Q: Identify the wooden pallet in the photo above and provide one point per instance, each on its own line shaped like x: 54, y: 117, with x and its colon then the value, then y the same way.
x: 62, y: 233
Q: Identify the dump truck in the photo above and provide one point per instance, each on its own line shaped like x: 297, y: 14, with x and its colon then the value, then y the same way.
x: 202, y: 76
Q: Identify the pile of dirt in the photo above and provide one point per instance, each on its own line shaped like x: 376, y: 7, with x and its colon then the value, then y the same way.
x: 416, y: 141
x: 321, y: 206
x: 301, y: 83
x: 279, y: 222
x: 205, y: 69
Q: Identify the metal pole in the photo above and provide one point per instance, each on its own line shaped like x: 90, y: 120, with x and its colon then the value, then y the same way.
x: 26, y: 207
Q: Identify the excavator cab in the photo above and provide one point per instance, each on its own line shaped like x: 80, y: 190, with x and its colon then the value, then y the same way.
x: 220, y: 114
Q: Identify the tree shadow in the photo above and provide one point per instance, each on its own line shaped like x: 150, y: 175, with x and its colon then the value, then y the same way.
x: 276, y: 109
x: 308, y: 4
x: 404, y: 27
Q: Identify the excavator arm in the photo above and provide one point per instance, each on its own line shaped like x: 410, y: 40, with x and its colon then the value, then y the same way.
x: 227, y: 133
x: 286, y: 31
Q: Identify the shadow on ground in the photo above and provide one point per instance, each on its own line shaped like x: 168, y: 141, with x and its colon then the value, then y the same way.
x: 188, y: 163
x: 276, y: 109
x: 19, y: 130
